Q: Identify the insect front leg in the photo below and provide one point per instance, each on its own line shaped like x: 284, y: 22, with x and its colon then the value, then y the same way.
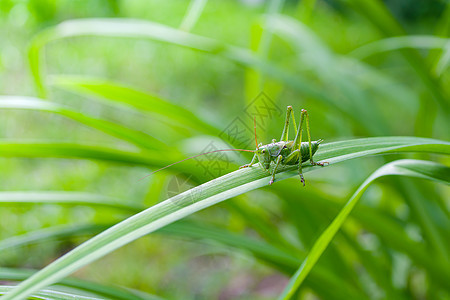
x: 279, y: 158
x: 251, y: 163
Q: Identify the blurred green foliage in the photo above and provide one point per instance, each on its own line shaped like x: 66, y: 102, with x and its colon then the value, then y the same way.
x: 301, y: 53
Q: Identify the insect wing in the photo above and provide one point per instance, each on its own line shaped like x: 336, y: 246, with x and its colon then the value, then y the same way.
x: 275, y: 148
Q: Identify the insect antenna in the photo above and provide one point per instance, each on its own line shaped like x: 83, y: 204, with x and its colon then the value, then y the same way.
x: 254, y: 126
x: 177, y: 162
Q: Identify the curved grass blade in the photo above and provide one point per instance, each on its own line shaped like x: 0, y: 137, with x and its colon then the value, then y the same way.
x: 343, y: 149
x: 79, y: 151
x: 49, y: 294
x: 138, y: 138
x: 193, y: 13
x: 264, y: 251
x: 127, y: 28
x: 331, y: 70
x: 407, y: 167
x: 203, y: 196
x: 131, y: 28
x: 125, y: 95
x: 401, y: 42
x: 66, y: 198
x: 52, y: 233
x: 100, y: 290
x: 379, y: 15
x: 389, y: 230
x: 49, y: 149
x: 267, y: 253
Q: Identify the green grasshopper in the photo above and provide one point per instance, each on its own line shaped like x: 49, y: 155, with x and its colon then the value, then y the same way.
x: 287, y: 152
x: 284, y: 152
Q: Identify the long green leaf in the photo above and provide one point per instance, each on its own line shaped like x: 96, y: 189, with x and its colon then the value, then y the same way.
x: 133, y: 136
x: 262, y: 250
x: 193, y: 13
x: 378, y: 14
x: 127, y: 28
x: 50, y: 149
x: 49, y: 294
x: 53, y: 233
x: 66, y: 198
x: 388, y: 229
x: 125, y: 95
x: 401, y: 42
x: 267, y: 253
x: 331, y: 70
x: 76, y: 150
x: 412, y: 168
x: 100, y: 290
x: 205, y: 195
x: 131, y: 28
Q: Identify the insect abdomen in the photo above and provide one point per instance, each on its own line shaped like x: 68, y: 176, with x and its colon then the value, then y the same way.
x: 304, y: 149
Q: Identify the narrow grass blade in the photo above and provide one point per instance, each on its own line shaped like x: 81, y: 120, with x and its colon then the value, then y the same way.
x: 273, y: 7
x: 136, y: 137
x: 331, y: 70
x: 401, y: 42
x: 66, y: 198
x: 266, y: 252
x: 103, y: 291
x: 412, y: 168
x: 50, y: 294
x: 378, y: 14
x: 127, y: 28
x: 140, y: 29
x: 193, y: 13
x: 50, y: 149
x: 125, y: 95
x: 388, y: 229
x: 79, y: 151
x: 203, y: 196
x: 52, y: 233
x: 96, y: 289
x: 425, y: 217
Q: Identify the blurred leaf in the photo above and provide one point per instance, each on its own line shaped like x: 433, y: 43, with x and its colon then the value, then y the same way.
x: 148, y: 158
x: 130, y: 28
x: 390, y: 230
x: 266, y: 252
x: 66, y: 198
x: 133, y: 136
x: 193, y: 13
x: 400, y: 42
x: 49, y: 294
x: 104, y: 291
x: 263, y: 251
x: 378, y: 14
x: 143, y: 102
x: 407, y: 167
x: 439, y: 59
x: 73, y: 150
x: 205, y: 195
x: 425, y: 217
x: 52, y: 233
x: 332, y: 71
x: 127, y: 28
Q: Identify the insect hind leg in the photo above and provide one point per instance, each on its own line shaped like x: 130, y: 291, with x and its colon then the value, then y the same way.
x: 289, y: 114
